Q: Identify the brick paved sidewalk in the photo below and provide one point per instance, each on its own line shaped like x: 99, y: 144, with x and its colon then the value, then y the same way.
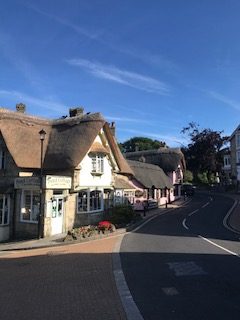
x: 67, y: 282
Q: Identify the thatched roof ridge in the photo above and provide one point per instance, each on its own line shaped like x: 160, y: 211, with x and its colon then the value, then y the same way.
x: 77, y: 119
x: 167, y: 158
x: 13, y: 115
x: 150, y: 175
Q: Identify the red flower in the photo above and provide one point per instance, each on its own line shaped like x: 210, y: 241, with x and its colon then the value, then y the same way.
x: 104, y: 224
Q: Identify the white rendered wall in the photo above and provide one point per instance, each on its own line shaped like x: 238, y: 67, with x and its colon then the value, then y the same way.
x: 87, y: 179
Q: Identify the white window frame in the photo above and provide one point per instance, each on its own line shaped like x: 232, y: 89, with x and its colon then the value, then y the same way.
x: 5, y: 209
x: 31, y: 209
x: 89, y: 201
x: 97, y: 164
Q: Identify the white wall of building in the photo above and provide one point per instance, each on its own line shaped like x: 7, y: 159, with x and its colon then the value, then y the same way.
x: 88, y: 179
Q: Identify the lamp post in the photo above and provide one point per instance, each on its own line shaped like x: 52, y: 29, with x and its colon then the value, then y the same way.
x: 42, y: 135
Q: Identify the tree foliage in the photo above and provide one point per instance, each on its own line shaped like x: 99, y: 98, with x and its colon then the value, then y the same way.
x: 188, y: 176
x: 140, y: 143
x: 202, y: 153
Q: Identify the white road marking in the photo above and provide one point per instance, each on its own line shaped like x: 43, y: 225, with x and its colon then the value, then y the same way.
x: 186, y: 268
x: 218, y: 246
x: 190, y: 214
x: 184, y: 224
x: 206, y: 204
x: 225, y: 220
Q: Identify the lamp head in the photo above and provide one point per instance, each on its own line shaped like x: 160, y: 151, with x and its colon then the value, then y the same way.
x: 42, y: 134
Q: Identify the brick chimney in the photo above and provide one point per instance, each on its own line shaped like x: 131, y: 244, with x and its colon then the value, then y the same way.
x: 112, y: 128
x: 20, y: 107
x: 74, y: 112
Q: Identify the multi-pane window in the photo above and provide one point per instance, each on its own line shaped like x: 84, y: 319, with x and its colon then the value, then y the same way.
x: 83, y: 201
x: 90, y: 201
x: 95, y: 200
x: 4, y: 209
x: 2, y: 159
x: 97, y: 163
x: 30, y: 205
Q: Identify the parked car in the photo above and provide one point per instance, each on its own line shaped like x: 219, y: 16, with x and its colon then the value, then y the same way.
x: 188, y: 189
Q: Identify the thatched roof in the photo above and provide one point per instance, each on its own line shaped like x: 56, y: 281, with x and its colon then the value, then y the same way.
x: 66, y: 143
x: 97, y: 147
x: 121, y: 182
x: 121, y: 161
x: 150, y: 175
x: 20, y: 133
x: 70, y: 139
x: 166, y: 158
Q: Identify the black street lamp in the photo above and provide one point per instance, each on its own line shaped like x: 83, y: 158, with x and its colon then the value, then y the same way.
x: 42, y: 135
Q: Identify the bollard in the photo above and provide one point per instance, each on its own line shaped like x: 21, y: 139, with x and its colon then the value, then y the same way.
x: 166, y: 204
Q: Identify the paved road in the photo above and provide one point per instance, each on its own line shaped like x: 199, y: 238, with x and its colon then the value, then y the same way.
x: 60, y: 283
x: 183, y: 265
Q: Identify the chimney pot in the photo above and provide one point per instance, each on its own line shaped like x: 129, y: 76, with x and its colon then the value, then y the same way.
x: 112, y: 128
x: 74, y: 112
x: 21, y: 107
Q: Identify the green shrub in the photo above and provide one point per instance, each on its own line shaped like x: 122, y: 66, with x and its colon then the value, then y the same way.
x: 121, y: 214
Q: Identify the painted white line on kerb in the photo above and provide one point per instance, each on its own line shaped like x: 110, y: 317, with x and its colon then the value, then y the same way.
x: 184, y: 224
x: 129, y: 306
x: 220, y: 247
x: 206, y: 204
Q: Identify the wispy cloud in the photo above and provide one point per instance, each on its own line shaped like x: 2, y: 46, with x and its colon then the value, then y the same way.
x: 125, y: 119
x: 44, y: 104
x: 78, y: 29
x: 108, y: 39
x: 226, y: 100
x: 128, y: 78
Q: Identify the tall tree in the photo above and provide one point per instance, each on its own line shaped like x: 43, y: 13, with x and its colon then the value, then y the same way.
x: 141, y: 143
x: 202, y: 153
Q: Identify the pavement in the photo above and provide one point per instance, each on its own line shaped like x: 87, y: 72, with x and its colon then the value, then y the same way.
x: 48, y: 279
x: 57, y: 240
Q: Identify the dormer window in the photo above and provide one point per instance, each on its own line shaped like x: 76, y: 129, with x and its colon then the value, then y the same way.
x: 97, y: 164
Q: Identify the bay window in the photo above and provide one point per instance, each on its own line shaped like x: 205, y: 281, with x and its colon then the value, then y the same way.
x: 90, y: 201
x: 30, y: 203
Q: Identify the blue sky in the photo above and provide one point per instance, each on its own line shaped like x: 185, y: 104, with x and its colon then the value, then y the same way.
x: 150, y: 66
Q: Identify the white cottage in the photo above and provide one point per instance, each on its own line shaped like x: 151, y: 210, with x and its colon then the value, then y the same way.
x: 72, y: 184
